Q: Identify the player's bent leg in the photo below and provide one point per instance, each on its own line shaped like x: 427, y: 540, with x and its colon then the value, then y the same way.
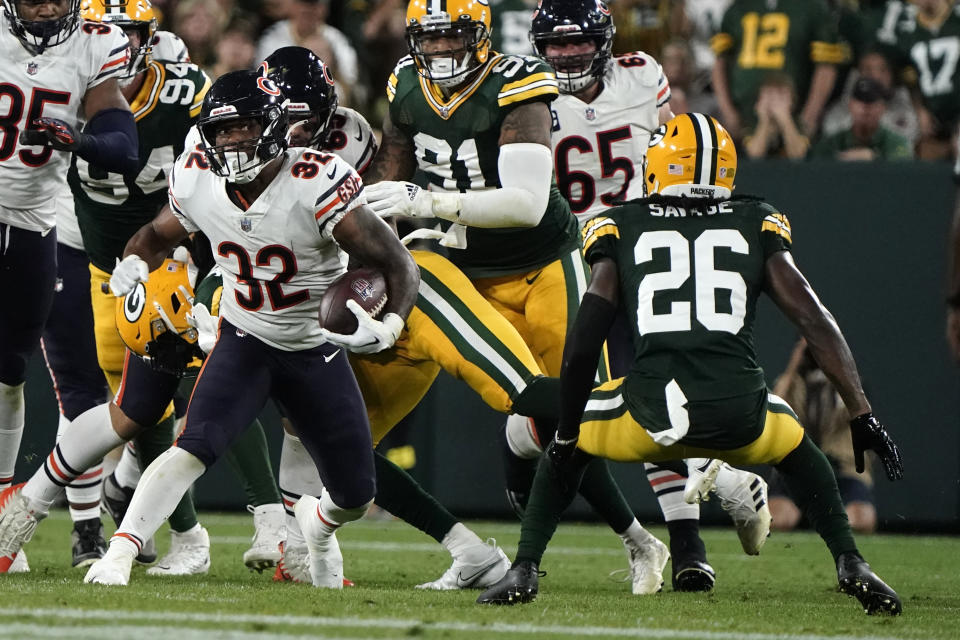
x: 163, y: 484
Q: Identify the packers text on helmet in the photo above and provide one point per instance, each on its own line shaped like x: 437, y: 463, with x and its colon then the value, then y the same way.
x: 691, y: 155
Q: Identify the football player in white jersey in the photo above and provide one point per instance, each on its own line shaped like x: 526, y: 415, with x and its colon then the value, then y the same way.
x: 57, y: 71
x: 608, y: 107
x: 274, y: 217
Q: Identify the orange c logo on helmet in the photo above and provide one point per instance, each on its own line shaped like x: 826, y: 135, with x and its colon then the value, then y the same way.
x: 602, y: 6
x: 327, y: 76
x: 264, y: 69
x: 267, y: 86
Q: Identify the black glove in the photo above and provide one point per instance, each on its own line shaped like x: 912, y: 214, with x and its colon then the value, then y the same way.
x: 50, y: 131
x: 868, y: 433
x: 560, y: 451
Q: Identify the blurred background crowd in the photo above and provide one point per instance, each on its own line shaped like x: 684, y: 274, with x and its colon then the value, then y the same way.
x: 844, y: 79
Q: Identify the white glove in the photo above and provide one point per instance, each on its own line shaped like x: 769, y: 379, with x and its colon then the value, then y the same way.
x: 127, y: 273
x: 399, y: 199
x: 206, y: 325
x: 371, y: 336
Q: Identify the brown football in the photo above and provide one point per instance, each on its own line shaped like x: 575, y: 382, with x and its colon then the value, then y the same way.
x: 366, y: 286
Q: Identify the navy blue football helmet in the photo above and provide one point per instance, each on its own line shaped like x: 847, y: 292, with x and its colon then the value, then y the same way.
x: 570, y: 22
x: 308, y: 85
x: 243, y: 95
x: 38, y: 35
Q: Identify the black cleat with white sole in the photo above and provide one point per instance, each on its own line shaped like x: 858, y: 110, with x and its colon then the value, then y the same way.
x: 519, y: 586
x: 858, y: 580
x: 693, y: 575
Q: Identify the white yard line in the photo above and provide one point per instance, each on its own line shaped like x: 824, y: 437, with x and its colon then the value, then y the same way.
x: 326, y: 623
x: 22, y: 631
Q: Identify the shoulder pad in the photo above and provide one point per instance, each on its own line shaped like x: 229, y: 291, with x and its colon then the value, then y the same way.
x: 523, y: 78
x: 403, y: 66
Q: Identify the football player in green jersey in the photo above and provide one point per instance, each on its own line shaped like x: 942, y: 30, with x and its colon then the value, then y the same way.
x: 799, y: 38
x: 477, y: 124
x: 689, y: 265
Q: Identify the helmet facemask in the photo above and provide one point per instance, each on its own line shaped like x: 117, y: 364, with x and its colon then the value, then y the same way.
x: 241, y: 161
x: 451, y: 67
x: 38, y: 35
x: 578, y: 71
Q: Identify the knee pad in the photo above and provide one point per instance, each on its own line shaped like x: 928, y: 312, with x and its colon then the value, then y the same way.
x: 334, y: 513
x: 522, y: 437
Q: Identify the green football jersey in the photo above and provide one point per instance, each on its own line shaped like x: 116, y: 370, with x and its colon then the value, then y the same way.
x: 689, y: 280
x: 457, y: 147
x: 111, y: 207
x: 932, y: 51
x: 766, y: 36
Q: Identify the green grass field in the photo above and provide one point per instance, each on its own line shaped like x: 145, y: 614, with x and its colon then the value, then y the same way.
x: 787, y: 593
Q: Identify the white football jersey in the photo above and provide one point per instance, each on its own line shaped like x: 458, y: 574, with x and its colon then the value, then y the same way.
x: 52, y: 85
x: 598, y: 147
x: 351, y: 138
x: 278, y: 256
x: 68, y: 229
x: 168, y: 47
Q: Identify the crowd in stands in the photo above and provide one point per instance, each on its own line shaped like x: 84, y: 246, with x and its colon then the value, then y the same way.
x: 845, y: 79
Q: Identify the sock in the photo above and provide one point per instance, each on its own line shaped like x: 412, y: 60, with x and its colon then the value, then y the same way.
x: 459, y: 539
x: 298, y: 477
x: 603, y: 494
x: 162, y: 486
x: 552, y: 492
x: 127, y: 472
x: 83, y: 494
x: 518, y: 470
x: 668, y: 486
x: 249, y: 458
x: 11, y: 430
x: 153, y: 442
x: 635, y: 533
x: 685, y: 541
x: 813, y: 486
x: 401, y: 495
x: 88, y: 439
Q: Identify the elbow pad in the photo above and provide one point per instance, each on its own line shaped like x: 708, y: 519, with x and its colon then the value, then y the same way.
x: 526, y: 172
x: 110, y: 141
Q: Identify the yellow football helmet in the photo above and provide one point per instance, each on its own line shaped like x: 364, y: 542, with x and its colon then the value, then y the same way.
x: 152, y: 320
x: 466, y: 20
x: 136, y: 16
x: 691, y: 155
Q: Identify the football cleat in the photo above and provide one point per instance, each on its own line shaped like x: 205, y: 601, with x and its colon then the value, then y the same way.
x: 294, y: 564
x: 18, y: 521
x: 743, y: 495
x: 701, y: 479
x: 647, y: 559
x: 189, y: 554
x: 269, y: 534
x: 693, y: 575
x: 114, y: 501
x: 481, y: 565
x: 519, y: 586
x: 113, y: 568
x: 326, y: 561
x: 88, y: 543
x: 856, y: 579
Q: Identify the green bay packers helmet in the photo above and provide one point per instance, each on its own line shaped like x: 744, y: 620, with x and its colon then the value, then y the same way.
x: 152, y: 320
x: 691, y: 155
x: 136, y: 16
x: 465, y: 20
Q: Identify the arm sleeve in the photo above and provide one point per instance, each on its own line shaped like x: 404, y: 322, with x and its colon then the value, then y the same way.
x: 775, y: 233
x: 526, y: 171
x: 110, y: 141
x: 342, y: 193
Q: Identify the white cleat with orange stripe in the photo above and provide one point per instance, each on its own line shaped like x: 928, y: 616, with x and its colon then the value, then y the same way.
x: 18, y: 521
x: 326, y: 561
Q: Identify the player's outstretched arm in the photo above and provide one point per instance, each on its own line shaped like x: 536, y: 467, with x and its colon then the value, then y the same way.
x: 789, y: 289
x: 581, y: 353
x: 395, y: 160
x: 154, y: 241
x: 796, y: 298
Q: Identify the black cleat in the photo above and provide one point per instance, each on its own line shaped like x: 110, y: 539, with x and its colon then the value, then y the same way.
x: 858, y: 580
x: 88, y: 543
x: 519, y: 586
x: 693, y: 575
x: 115, y: 500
